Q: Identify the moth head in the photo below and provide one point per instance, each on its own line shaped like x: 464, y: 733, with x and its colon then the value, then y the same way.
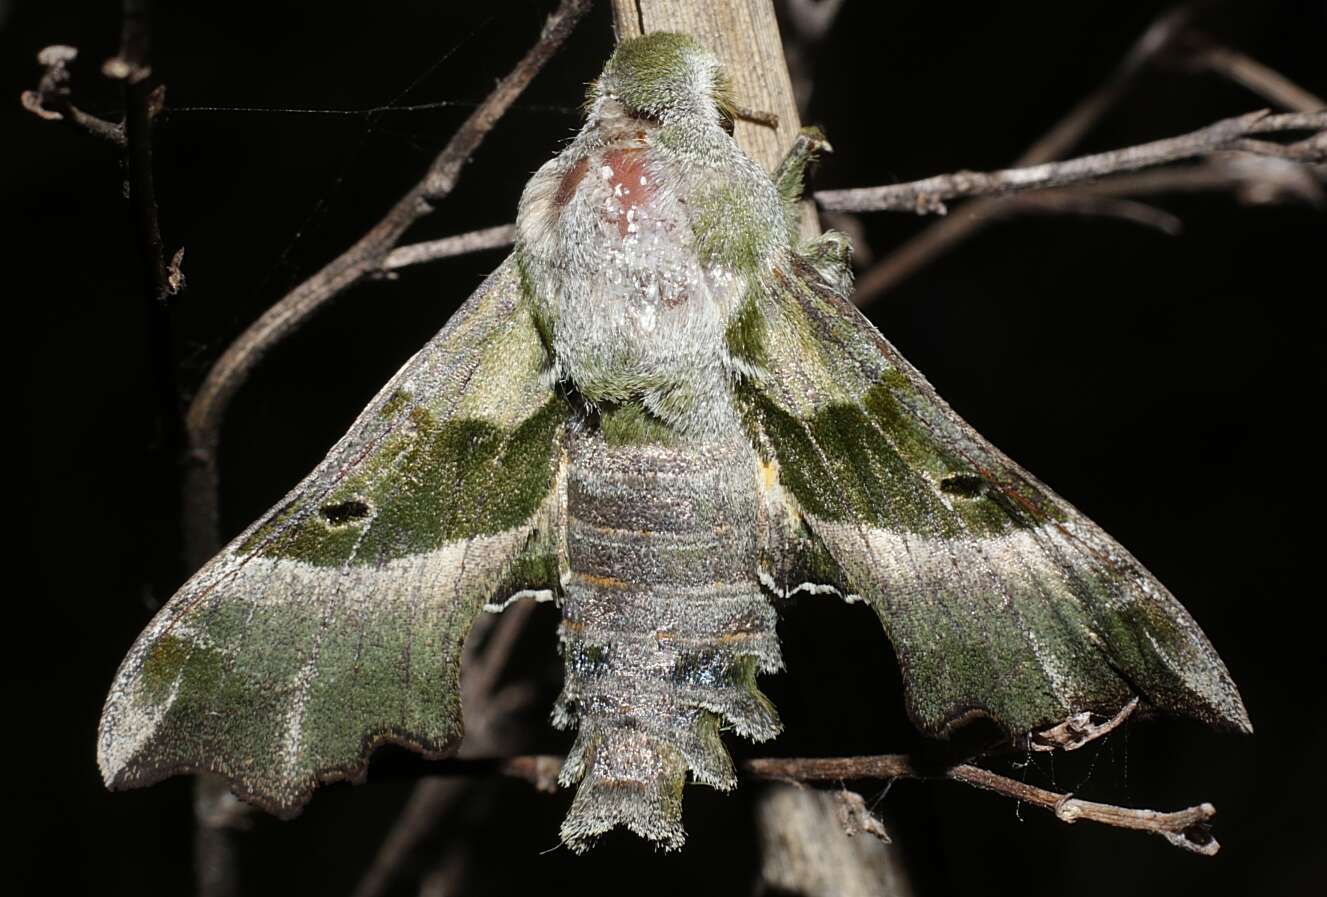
x: 666, y: 77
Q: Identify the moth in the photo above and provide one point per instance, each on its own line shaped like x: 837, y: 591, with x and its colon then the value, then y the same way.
x: 662, y: 412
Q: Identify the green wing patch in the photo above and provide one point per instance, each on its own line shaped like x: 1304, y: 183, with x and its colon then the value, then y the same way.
x: 998, y: 596
x: 336, y: 623
x: 493, y: 479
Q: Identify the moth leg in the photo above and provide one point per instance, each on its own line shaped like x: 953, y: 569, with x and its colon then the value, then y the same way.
x: 830, y: 256
x: 790, y: 176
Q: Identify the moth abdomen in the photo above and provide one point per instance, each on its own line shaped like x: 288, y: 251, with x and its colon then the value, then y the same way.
x: 664, y: 630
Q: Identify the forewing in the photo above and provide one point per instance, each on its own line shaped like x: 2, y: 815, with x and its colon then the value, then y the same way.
x: 999, y: 597
x: 335, y: 623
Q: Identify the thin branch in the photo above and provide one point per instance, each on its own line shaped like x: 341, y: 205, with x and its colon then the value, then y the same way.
x: 1248, y: 72
x: 806, y: 24
x: 811, y: 19
x: 1256, y: 180
x: 53, y: 98
x: 1188, y: 829
x: 928, y: 195
x: 1155, y: 42
x: 132, y: 66
x: 474, y: 241
x: 1069, y: 202
x: 365, y: 257
x: 485, y: 668
x: 943, y: 236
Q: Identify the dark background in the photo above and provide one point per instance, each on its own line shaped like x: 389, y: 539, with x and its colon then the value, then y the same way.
x: 1170, y: 387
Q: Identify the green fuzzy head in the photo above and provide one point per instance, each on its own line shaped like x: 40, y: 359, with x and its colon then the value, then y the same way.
x: 665, y: 76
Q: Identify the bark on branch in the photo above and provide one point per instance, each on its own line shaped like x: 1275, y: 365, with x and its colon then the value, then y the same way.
x: 53, y: 99
x: 1189, y: 829
x: 928, y: 196
x: 447, y: 247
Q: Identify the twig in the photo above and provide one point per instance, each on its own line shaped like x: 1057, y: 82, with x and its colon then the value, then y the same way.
x: 132, y: 66
x: 485, y: 668
x: 928, y: 195
x: 1253, y: 179
x: 1184, y: 828
x: 53, y: 101
x: 943, y: 236
x: 474, y: 241
x: 1188, y: 828
x: 53, y: 98
x: 365, y: 257
x: 755, y: 116
x: 806, y: 24
x: 1244, y: 70
x: 811, y: 19
x: 1072, y: 202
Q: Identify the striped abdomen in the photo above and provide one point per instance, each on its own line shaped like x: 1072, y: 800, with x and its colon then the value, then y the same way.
x: 664, y: 629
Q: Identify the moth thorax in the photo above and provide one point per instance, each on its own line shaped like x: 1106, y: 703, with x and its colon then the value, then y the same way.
x: 632, y: 310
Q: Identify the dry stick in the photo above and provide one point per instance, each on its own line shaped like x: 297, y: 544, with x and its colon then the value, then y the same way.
x: 806, y: 25
x: 928, y: 195
x: 53, y: 100
x: 939, y: 238
x: 1073, y: 202
x: 812, y: 19
x: 1266, y: 82
x: 142, y: 101
x: 1255, y: 178
x: 365, y: 257
x: 1187, y: 828
x: 447, y: 247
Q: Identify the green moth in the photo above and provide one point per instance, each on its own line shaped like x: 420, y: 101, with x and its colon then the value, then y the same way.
x: 662, y: 412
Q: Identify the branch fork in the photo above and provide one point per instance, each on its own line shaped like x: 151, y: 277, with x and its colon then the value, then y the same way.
x: 53, y: 98
x: 1235, y: 134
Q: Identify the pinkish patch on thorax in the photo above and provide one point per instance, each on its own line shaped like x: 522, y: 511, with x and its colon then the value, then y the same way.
x: 625, y: 172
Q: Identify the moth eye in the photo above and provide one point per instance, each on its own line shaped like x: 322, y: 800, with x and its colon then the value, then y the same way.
x: 725, y: 121
x: 344, y: 512
x: 964, y: 485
